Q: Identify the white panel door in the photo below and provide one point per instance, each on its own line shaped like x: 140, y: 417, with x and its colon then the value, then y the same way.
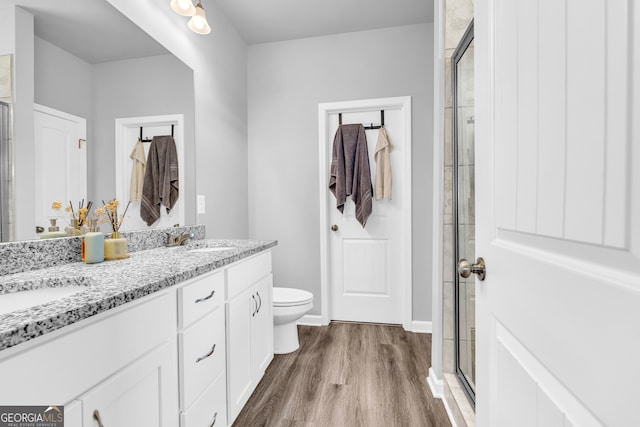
x: 127, y: 134
x: 368, y: 277
x: 558, y: 212
x: 60, y: 163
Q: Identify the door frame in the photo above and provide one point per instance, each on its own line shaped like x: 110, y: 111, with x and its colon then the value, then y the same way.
x: 402, y: 103
x: 122, y: 125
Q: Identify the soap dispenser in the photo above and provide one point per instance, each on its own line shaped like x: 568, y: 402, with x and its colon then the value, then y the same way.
x: 93, y: 244
x: 54, y: 231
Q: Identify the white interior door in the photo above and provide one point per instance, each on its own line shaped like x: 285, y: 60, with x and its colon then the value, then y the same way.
x: 558, y: 212
x: 60, y: 163
x: 127, y: 134
x: 368, y: 270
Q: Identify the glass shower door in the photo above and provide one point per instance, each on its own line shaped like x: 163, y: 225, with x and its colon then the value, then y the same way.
x: 464, y: 209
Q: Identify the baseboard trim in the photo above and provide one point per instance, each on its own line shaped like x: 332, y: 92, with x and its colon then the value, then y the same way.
x: 449, y: 413
x: 421, y: 326
x: 435, y: 384
x: 311, y: 320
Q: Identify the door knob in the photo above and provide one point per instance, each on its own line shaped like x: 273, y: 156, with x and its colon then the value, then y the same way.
x: 334, y: 227
x: 465, y: 268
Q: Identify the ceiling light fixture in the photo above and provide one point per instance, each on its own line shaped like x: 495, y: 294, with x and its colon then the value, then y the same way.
x: 198, y: 22
x: 183, y: 7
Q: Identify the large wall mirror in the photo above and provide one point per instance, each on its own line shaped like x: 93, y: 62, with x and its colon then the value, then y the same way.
x: 92, y: 62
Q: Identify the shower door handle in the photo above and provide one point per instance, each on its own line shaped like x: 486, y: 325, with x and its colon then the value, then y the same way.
x: 465, y: 268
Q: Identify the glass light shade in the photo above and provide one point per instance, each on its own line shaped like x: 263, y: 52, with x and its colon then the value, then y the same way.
x: 198, y: 22
x: 183, y: 7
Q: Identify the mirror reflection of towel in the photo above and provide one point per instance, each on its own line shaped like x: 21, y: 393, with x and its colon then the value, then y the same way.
x: 350, y: 172
x: 137, y: 172
x: 160, y: 179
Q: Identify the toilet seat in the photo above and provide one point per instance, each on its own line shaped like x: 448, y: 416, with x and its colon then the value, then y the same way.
x: 290, y: 297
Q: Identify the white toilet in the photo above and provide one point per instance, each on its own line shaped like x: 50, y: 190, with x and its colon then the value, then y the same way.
x: 289, y: 305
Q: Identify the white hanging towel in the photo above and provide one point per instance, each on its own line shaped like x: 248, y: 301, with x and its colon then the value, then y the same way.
x: 383, y: 166
x: 137, y: 172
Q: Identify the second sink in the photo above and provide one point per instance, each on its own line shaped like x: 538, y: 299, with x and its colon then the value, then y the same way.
x: 211, y: 249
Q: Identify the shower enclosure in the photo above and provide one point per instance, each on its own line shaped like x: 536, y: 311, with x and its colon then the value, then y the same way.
x: 4, y: 172
x: 464, y: 210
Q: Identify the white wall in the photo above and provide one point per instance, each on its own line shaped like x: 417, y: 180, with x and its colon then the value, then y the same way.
x: 62, y: 81
x: 219, y: 61
x: 286, y: 82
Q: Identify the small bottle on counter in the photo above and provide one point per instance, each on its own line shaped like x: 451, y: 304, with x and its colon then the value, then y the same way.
x: 93, y: 245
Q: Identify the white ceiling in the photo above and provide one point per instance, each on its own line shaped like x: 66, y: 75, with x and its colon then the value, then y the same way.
x: 96, y: 32
x: 261, y: 21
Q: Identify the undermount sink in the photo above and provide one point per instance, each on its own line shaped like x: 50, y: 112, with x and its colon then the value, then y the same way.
x: 19, y: 300
x: 212, y: 249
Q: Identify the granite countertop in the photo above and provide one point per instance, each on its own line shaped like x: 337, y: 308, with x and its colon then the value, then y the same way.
x: 110, y: 284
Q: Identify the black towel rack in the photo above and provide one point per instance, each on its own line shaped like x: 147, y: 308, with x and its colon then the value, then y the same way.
x: 149, y: 140
x: 371, y: 125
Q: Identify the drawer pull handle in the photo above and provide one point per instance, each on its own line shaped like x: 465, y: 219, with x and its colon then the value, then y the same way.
x: 206, y: 298
x: 96, y: 416
x: 255, y: 304
x: 206, y: 355
x: 215, y: 416
x: 260, y: 306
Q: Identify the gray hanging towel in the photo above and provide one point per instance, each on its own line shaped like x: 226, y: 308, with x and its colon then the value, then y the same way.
x: 350, y: 173
x: 160, y: 179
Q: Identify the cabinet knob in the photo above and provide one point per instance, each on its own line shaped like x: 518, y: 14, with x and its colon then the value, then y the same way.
x: 334, y: 227
x: 96, y: 416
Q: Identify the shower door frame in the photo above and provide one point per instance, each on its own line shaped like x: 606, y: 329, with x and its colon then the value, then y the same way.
x: 5, y: 172
x: 461, y: 49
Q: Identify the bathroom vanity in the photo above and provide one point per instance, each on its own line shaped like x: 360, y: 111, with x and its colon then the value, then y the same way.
x: 170, y: 336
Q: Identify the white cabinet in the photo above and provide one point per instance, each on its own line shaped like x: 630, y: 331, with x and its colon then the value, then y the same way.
x: 190, y: 355
x: 249, y: 329
x: 121, y: 362
x: 262, y: 329
x: 202, y: 351
x: 134, y: 396
x: 239, y: 376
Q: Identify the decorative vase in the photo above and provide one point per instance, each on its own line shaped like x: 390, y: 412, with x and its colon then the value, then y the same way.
x: 73, y: 229
x: 115, y: 247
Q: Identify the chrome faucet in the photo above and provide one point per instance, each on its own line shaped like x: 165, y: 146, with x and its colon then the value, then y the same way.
x: 178, y: 240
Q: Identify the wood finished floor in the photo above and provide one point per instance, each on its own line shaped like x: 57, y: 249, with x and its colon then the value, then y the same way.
x: 348, y: 375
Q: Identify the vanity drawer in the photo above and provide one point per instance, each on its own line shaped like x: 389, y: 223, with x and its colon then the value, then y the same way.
x: 200, y: 361
x: 199, y: 298
x: 210, y: 409
x: 247, y: 272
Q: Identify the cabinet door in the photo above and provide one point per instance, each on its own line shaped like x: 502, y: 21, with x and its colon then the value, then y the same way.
x: 240, y: 313
x: 262, y: 329
x: 137, y: 396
